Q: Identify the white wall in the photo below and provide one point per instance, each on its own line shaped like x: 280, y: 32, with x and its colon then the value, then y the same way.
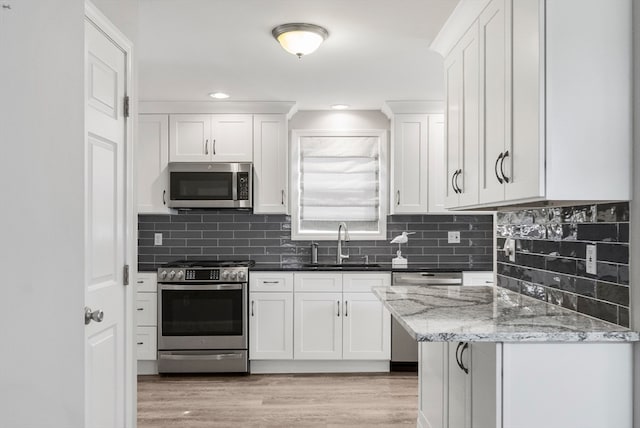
x: 123, y: 14
x: 329, y: 119
x: 41, y: 213
x: 635, y: 212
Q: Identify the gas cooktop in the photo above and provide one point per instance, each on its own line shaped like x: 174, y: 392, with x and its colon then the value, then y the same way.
x: 210, y: 263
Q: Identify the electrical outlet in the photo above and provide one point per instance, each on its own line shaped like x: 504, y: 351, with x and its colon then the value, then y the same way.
x: 592, y: 260
x: 454, y: 237
x: 157, y: 239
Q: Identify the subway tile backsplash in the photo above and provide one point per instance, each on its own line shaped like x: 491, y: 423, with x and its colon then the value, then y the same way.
x: 550, y: 259
x: 237, y: 234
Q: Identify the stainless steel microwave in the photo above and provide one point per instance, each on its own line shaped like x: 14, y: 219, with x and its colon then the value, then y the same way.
x: 210, y: 185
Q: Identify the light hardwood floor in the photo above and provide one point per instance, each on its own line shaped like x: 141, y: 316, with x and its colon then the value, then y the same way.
x: 327, y: 400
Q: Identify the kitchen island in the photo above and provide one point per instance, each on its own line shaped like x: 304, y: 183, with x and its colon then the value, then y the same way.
x: 493, y: 358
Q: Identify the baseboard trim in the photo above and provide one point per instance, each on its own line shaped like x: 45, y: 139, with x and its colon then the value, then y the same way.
x: 147, y: 367
x: 317, y: 366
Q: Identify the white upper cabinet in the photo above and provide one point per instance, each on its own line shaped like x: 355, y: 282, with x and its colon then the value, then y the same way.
x: 152, y: 159
x: 553, y: 103
x: 462, y: 121
x: 211, y: 138
x: 270, y: 164
x: 417, y: 186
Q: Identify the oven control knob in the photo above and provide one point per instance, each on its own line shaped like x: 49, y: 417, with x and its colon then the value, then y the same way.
x: 163, y: 274
x: 241, y: 275
x: 179, y: 274
x: 225, y: 274
x: 234, y: 275
x: 172, y: 274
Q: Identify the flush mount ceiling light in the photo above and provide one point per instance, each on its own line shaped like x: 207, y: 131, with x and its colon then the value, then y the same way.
x: 219, y: 95
x: 298, y: 38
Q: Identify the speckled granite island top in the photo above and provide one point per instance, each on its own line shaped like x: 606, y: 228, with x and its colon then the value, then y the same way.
x: 491, y: 314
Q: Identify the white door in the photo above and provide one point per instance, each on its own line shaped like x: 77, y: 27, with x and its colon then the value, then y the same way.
x: 152, y: 159
x: 495, y: 93
x: 190, y: 138
x: 410, y: 164
x: 270, y: 164
x: 366, y: 328
x: 271, y: 326
x: 232, y: 138
x: 317, y: 326
x: 105, y: 78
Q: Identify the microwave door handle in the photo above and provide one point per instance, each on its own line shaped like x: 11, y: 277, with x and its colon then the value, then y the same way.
x: 234, y: 187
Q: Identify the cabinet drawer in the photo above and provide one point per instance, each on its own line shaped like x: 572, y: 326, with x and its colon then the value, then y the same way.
x: 271, y: 281
x: 477, y: 278
x: 362, y: 282
x: 146, y: 343
x: 319, y: 282
x: 147, y: 281
x: 146, y: 309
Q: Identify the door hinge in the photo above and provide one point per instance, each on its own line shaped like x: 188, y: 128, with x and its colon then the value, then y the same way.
x: 125, y: 278
x: 125, y: 109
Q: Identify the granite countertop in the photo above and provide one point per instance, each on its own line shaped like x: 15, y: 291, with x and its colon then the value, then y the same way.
x: 491, y: 314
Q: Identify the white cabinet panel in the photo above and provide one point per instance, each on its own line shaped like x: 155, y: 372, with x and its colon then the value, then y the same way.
x: 433, y: 375
x: 318, y: 326
x: 146, y: 304
x: 146, y: 343
x: 147, y: 281
x: 232, y: 138
x: 270, y: 164
x: 459, y: 384
x: 410, y: 164
x: 152, y: 159
x: 362, y: 282
x: 478, y: 278
x: 271, y: 281
x: 271, y: 326
x: 190, y: 138
x: 436, y: 169
x: 366, y: 328
x: 318, y: 282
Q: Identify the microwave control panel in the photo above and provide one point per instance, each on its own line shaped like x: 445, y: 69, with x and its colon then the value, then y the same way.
x: 243, y: 186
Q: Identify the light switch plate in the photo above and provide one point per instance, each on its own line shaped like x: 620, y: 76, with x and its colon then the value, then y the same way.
x: 454, y: 237
x: 157, y: 239
x: 592, y: 260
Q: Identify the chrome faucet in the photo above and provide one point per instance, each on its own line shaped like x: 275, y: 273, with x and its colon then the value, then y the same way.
x: 339, y: 255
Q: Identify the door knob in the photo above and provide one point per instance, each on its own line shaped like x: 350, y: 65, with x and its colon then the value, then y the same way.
x: 90, y: 315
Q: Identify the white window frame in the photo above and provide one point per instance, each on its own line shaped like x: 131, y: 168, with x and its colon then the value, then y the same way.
x: 381, y: 233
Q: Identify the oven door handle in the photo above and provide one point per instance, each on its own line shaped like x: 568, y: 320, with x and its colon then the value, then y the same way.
x: 199, y: 287
x: 201, y: 357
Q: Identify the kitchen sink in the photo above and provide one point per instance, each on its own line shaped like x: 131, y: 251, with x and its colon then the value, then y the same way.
x: 342, y: 266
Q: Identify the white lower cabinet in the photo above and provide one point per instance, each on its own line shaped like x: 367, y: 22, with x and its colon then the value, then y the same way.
x: 146, y: 316
x: 365, y: 328
x: 318, y: 326
x: 271, y: 326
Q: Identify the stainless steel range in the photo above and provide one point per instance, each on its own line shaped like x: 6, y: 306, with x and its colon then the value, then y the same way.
x: 202, y: 317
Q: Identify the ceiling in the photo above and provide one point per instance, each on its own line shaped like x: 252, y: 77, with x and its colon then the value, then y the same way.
x: 377, y: 51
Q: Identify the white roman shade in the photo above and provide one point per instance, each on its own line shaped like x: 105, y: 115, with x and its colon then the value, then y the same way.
x: 338, y: 177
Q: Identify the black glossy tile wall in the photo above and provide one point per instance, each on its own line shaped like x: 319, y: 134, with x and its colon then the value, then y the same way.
x: 550, y: 259
x: 237, y: 234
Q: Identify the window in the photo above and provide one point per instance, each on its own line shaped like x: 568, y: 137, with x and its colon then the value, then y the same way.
x: 338, y: 176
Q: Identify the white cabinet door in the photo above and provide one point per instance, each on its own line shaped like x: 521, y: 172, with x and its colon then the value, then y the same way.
x: 270, y: 164
x: 495, y: 93
x: 486, y: 408
x: 432, y: 388
x: 459, y: 384
x: 271, y: 326
x: 366, y: 328
x: 317, y: 326
x: 410, y: 164
x: 147, y: 281
x: 152, y: 159
x: 453, y: 129
x: 190, y: 138
x: 146, y: 309
x: 146, y: 343
x: 436, y: 171
x: 478, y: 278
x: 271, y: 281
x: 232, y: 138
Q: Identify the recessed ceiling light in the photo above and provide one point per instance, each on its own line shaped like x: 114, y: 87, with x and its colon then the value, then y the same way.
x: 219, y: 95
x: 340, y: 106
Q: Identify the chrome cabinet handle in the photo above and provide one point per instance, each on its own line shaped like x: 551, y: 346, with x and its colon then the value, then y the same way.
x: 346, y: 308
x: 164, y: 201
x: 271, y: 282
x: 252, y: 303
x: 282, y: 197
x: 495, y: 168
x: 338, y: 305
x: 504, y: 177
x: 206, y: 147
x: 464, y: 346
x: 397, y: 197
x: 214, y: 147
x: 458, y: 176
x: 140, y: 309
x: 140, y: 343
x: 90, y: 315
